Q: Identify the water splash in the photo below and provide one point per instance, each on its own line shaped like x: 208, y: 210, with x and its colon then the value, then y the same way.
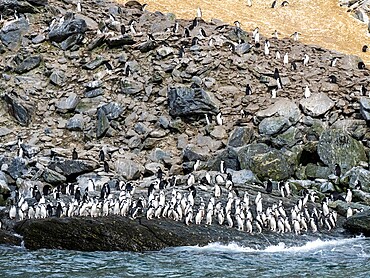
x: 310, y: 246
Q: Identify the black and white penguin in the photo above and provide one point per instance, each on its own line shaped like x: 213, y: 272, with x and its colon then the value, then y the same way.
x: 332, y: 79
x: 269, y: 186
x: 194, y: 41
x: 46, y: 189
x: 293, y: 65
x: 59, y: 210
x: 363, y: 90
x: 202, y: 33
x: 106, y: 167
x: 333, y: 61
x: 175, y: 28
x: 181, y: 52
x: 284, y: 3
x: 337, y: 170
x: 248, y: 90
x: 101, y: 155
x: 358, y: 185
x: 78, y: 194
x: 295, y: 36
x: 365, y: 48
x: 74, y: 154
x: 361, y: 65
x: 273, y: 5
x: 186, y: 33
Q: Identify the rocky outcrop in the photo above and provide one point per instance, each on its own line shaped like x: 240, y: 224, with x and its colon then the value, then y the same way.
x: 359, y: 223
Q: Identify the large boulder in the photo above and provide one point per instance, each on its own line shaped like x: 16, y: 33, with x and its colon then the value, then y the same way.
x: 73, y: 168
x: 240, y: 136
x: 337, y: 147
x: 365, y: 108
x: 357, y: 174
x: 69, y: 27
x: 112, y: 110
x: 102, y: 123
x: 28, y: 64
x: 266, y: 163
x: 316, y: 105
x: 230, y: 158
x: 53, y: 177
x: 76, y: 123
x: 129, y: 169
x: 273, y: 125
x: 193, y: 152
x: 359, y: 223
x: 184, y: 101
x: 12, y: 33
x: 284, y: 108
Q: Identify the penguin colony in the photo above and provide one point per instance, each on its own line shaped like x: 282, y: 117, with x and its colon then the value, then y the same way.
x: 208, y: 200
x: 166, y: 199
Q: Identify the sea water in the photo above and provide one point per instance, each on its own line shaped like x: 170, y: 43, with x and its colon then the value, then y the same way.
x: 349, y: 257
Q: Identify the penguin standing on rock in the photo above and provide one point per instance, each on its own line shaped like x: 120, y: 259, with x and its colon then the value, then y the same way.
x: 74, y: 154
x: 269, y: 186
x: 101, y: 155
x: 337, y: 170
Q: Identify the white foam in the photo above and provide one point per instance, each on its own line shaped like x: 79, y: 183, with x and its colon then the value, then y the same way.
x: 233, y: 247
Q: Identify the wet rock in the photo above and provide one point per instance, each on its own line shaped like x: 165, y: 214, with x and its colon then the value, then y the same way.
x: 11, y: 35
x: 18, y: 110
x: 73, y: 168
x: 316, y: 105
x: 102, y: 123
x: 68, y: 104
x: 358, y: 223
x: 76, y: 123
x: 337, y: 147
x: 53, y: 177
x: 28, y: 64
x: 129, y: 169
x: 365, y: 108
x: 184, y: 101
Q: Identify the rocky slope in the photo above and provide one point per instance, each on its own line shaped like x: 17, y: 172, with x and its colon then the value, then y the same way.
x: 71, y: 79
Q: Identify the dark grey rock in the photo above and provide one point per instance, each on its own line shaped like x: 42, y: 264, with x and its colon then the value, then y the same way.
x: 184, y: 101
x: 53, y: 177
x: 273, y: 125
x: 102, y: 123
x: 284, y: 108
x: 120, y: 41
x: 76, y: 123
x: 112, y: 110
x: 18, y: 110
x: 94, y: 93
x: 360, y: 174
x: 288, y: 138
x: 71, y: 41
x: 337, y: 147
x: 94, y: 64
x: 327, y: 187
x: 30, y: 150
x: 17, y: 167
x: 315, y: 171
x: 359, y: 223
x: 230, y: 158
x: 28, y: 64
x: 73, y: 168
x: 58, y: 78
x: 316, y: 105
x: 246, y: 153
x: 240, y: 136
x: 192, y: 153
x: 11, y: 35
x: 365, y: 108
x: 68, y: 28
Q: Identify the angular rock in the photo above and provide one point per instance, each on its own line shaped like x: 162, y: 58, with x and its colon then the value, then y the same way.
x: 230, y: 158
x: 73, y: 168
x: 315, y: 172
x: 17, y: 167
x: 240, y: 136
x: 184, y: 101
x: 192, y: 153
x: 365, y: 108
x: 288, y: 138
x: 284, y: 108
x: 58, y: 78
x: 102, y: 123
x: 129, y: 169
x: 76, y: 123
x: 244, y: 177
x: 71, y: 41
x: 112, y: 110
x: 360, y: 174
x: 246, y: 153
x: 28, y: 64
x: 11, y: 35
x: 94, y: 93
x: 68, y: 104
x: 4, y: 131
x: 53, y: 177
x: 120, y: 41
x: 69, y: 27
x: 337, y: 147
x: 273, y: 125
x: 18, y: 110
x: 359, y: 223
x: 130, y: 87
x: 316, y: 105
